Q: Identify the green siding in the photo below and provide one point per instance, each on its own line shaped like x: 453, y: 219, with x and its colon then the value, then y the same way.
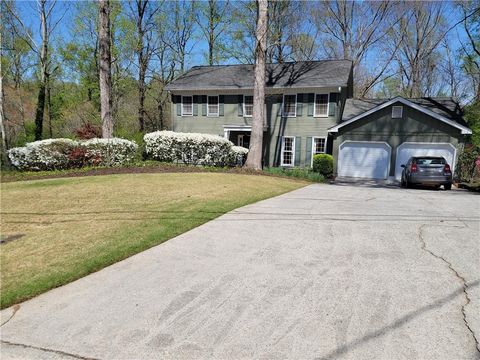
x: 302, y: 127
x: 414, y: 126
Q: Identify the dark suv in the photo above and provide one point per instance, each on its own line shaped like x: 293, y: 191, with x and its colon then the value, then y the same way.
x: 427, y: 170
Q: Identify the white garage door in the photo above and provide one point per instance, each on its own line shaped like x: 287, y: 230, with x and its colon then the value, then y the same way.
x: 364, y: 159
x: 408, y: 149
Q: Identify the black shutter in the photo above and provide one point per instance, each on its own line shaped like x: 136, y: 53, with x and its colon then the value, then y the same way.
x: 179, y: 105
x: 308, y: 152
x: 204, y: 105
x: 240, y: 105
x: 298, y: 150
x: 195, y: 105
x: 332, y: 106
x: 221, y: 110
x: 311, y: 100
x: 299, y: 104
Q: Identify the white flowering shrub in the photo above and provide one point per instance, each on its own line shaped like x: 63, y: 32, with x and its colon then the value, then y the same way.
x: 47, y: 154
x: 54, y: 154
x: 238, y: 155
x: 109, y: 152
x: 191, y: 148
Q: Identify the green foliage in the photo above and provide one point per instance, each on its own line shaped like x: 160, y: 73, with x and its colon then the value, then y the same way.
x: 323, y: 164
x: 467, y: 170
x: 299, y: 173
x: 472, y: 117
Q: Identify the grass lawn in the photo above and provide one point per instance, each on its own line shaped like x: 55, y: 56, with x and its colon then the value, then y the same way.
x: 63, y: 229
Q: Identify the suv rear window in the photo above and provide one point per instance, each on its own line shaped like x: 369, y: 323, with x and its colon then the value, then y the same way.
x: 430, y: 161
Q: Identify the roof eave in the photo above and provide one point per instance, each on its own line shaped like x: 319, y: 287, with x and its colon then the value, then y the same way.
x: 464, y: 130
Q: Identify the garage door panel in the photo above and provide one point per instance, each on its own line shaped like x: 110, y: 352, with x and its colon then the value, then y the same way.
x: 364, y: 160
x: 406, y: 150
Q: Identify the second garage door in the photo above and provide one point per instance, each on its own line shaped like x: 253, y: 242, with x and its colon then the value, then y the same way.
x: 409, y: 149
x: 368, y: 160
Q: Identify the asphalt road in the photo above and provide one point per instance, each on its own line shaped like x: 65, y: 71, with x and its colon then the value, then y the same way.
x: 324, y: 272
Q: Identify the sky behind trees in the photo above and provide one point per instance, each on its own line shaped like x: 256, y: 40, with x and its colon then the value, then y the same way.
x: 397, y: 47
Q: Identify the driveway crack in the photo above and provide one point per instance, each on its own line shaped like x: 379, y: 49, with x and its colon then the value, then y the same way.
x: 458, y: 276
x: 15, y: 308
x: 58, y: 352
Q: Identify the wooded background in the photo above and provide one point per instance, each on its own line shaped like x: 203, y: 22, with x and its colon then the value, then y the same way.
x: 50, y: 55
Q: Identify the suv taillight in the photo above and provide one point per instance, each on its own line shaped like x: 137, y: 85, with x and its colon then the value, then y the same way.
x: 413, y: 168
x: 447, y: 169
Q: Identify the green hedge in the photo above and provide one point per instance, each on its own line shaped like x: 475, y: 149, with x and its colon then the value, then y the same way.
x: 323, y: 164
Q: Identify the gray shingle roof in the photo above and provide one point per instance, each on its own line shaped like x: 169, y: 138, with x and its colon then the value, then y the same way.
x: 293, y: 75
x: 444, y: 106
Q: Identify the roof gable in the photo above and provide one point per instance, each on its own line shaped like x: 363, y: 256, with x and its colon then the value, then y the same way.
x: 430, y: 106
x: 302, y: 74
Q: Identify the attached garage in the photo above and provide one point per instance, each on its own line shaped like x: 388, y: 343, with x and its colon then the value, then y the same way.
x: 408, y: 149
x: 377, y: 136
x: 364, y: 159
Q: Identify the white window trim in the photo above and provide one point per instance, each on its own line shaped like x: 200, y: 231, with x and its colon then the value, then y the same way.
x: 283, y: 105
x: 293, y: 151
x: 185, y: 96
x: 401, y: 112
x: 315, y: 107
x: 243, y: 107
x: 313, y: 146
x: 209, y: 114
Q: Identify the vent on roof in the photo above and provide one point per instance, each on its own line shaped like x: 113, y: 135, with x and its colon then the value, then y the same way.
x: 397, y: 112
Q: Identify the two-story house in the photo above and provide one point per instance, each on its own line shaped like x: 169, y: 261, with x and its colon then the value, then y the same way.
x: 309, y: 109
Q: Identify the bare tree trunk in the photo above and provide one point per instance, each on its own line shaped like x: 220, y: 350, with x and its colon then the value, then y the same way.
x: 141, y: 97
x: 43, y: 72
x: 142, y: 62
x: 105, y: 69
x: 211, y: 35
x: 48, y: 106
x: 2, y: 114
x: 255, y: 154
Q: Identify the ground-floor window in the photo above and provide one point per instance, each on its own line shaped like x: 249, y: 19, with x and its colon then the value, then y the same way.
x: 319, y: 146
x: 288, y: 148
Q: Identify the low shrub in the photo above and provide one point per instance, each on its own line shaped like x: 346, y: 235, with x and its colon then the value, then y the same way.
x: 238, y: 155
x: 47, y: 154
x: 109, y: 152
x: 468, y: 165
x: 192, y: 148
x: 88, y: 131
x: 298, y: 173
x: 323, y: 164
x: 57, y: 154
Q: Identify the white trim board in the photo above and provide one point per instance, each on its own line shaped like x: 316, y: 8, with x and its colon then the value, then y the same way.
x: 406, y: 102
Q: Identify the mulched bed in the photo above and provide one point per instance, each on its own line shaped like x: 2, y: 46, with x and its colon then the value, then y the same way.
x: 11, y: 177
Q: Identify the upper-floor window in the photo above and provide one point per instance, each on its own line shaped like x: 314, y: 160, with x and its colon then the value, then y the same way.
x: 290, y: 105
x: 321, y: 105
x: 397, y: 112
x: 247, y: 105
x: 187, y: 105
x: 212, y: 106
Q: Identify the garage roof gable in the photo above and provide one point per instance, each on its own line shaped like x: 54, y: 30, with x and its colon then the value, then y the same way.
x: 464, y: 130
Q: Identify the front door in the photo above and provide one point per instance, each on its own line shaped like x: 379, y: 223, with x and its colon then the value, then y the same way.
x: 240, y: 138
x: 243, y: 140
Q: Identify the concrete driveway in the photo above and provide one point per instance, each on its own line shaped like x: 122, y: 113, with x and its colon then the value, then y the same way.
x: 325, y: 272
